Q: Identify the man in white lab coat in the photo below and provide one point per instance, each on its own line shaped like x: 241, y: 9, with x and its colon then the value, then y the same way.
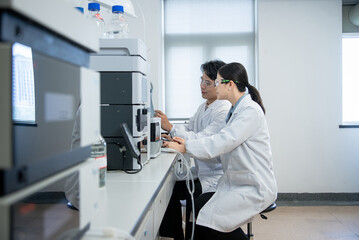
x: 208, y: 120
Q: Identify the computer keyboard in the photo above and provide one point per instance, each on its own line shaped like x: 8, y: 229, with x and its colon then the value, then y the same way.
x: 170, y: 150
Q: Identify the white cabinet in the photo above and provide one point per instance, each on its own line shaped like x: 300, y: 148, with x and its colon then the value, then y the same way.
x: 161, y: 203
x: 147, y: 232
x: 136, y: 203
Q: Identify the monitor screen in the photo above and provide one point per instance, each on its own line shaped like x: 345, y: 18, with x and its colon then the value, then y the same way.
x: 130, y: 141
x: 23, y: 86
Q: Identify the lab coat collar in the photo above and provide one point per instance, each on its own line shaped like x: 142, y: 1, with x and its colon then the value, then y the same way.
x: 238, y: 106
x: 211, y: 106
x: 233, y: 108
x: 245, y: 98
x: 214, y: 104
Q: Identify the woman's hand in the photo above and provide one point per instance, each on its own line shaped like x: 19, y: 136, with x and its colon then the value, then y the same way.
x: 178, y: 144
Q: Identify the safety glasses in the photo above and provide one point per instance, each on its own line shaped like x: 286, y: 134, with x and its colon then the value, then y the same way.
x: 206, y: 83
x: 217, y: 81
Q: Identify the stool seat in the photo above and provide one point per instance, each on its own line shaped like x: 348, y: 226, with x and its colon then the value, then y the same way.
x: 268, y: 209
x: 249, y: 225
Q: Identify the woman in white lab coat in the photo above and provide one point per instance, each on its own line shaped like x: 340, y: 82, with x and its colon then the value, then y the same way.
x: 248, y: 185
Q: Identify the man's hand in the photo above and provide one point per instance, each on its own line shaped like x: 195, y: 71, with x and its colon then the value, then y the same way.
x: 165, y: 124
x: 166, y: 137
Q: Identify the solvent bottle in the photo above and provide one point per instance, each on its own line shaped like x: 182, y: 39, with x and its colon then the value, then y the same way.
x: 94, y: 13
x: 98, y: 152
x: 118, y: 26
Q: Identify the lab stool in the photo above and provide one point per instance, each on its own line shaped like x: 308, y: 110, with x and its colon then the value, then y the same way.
x: 249, y: 225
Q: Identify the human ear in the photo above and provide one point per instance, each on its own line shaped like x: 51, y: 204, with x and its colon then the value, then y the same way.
x: 230, y: 85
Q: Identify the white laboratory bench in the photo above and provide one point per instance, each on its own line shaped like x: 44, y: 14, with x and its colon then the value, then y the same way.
x: 136, y: 203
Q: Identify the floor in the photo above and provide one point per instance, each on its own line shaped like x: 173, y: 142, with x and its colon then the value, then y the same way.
x: 44, y: 221
x: 308, y: 222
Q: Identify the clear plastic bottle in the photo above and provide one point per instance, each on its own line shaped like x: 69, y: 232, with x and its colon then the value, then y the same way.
x: 118, y: 26
x: 94, y: 13
x: 98, y: 152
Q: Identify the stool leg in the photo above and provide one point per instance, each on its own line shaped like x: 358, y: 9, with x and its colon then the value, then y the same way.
x: 249, y: 231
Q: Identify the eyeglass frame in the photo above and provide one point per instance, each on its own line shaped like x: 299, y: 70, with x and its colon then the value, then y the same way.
x: 206, y: 83
x: 216, y: 82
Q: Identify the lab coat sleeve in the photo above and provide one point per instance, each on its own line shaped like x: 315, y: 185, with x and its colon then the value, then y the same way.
x: 217, y: 123
x: 244, y: 124
x: 182, y: 128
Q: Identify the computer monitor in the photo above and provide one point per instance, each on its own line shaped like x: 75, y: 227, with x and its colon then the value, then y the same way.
x: 43, y: 98
x: 130, y: 141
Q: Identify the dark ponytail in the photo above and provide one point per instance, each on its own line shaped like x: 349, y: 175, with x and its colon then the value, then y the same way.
x: 238, y: 74
x: 256, y: 96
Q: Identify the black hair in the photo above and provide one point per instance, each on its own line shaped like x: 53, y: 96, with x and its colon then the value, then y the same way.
x: 237, y: 73
x: 210, y: 68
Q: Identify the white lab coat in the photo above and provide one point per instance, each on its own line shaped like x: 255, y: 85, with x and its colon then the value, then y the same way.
x: 248, y: 185
x: 205, y: 123
x: 72, y: 185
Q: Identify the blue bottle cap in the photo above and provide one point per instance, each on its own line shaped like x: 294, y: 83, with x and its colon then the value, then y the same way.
x: 80, y: 9
x: 117, y: 8
x: 94, y: 6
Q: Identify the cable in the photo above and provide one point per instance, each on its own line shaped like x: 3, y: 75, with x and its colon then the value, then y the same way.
x: 134, y: 171
x: 189, y: 179
x: 138, y: 162
x: 122, y: 149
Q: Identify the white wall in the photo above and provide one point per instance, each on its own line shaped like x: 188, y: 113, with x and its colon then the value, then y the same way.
x: 299, y: 44
x: 148, y: 27
x: 299, y: 56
